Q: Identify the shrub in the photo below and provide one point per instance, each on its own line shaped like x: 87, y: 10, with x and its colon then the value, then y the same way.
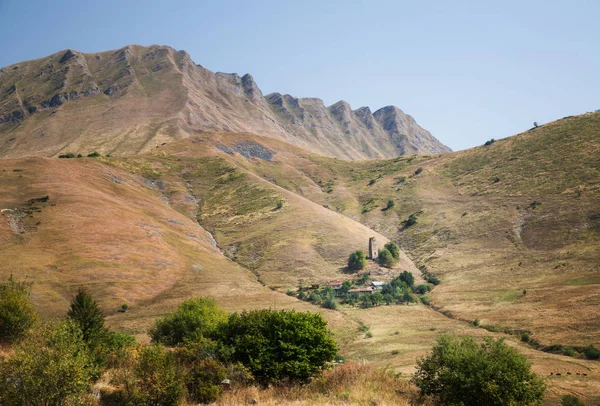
x: 94, y: 155
x: 86, y: 314
x: 204, y: 380
x: 569, y: 351
x: 407, y: 277
x: 433, y: 280
x: 357, y: 260
x: 386, y: 258
x: 79, y: 156
x: 52, y: 366
x: 571, y: 400
x: 279, y: 204
x: 369, y: 334
x: 460, y: 371
x: 124, y: 307
x: 155, y: 379
x: 390, y: 204
x: 393, y: 249
x: 68, y: 155
x: 193, y: 318
x: 490, y: 142
x: 410, y: 221
x: 421, y: 289
x: 17, y: 314
x: 591, y: 352
x: 372, y: 182
x: 425, y: 300
x: 475, y: 323
x: 525, y: 337
x: 418, y: 171
x: 279, y: 345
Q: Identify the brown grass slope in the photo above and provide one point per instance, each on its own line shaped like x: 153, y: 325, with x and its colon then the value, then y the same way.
x: 131, y: 100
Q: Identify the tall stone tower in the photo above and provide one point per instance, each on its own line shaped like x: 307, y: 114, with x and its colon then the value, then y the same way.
x: 373, y: 251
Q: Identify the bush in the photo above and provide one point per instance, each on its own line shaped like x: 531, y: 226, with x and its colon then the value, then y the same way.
x: 204, y: 380
x: 393, y: 249
x: 94, y: 155
x: 194, y: 318
x: 433, y: 280
x: 410, y: 221
x: 279, y: 204
x: 51, y: 367
x: 490, y: 142
x: 279, y: 345
x: 418, y: 171
x: 525, y: 337
x: 68, y: 155
x: 591, y: 352
x: 459, y: 371
x: 571, y: 400
x: 372, y: 182
x: 425, y: 300
x: 421, y: 289
x: 390, y: 204
x: 17, y: 314
x: 386, y: 258
x: 357, y: 260
x: 86, y: 314
x: 154, y: 379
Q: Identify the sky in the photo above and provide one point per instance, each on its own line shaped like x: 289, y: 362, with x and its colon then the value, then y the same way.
x: 467, y: 71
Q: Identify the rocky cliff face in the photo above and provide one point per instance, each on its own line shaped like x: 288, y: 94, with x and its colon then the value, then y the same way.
x: 136, y: 98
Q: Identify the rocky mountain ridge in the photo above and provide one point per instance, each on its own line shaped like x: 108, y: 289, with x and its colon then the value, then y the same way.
x: 136, y: 98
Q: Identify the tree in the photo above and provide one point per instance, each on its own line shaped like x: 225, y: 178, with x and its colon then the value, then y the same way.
x: 386, y: 258
x: 411, y: 220
x: 279, y: 345
x: 52, y: 366
x: 194, y: 318
x: 571, y: 400
x: 357, y: 260
x: 17, y: 314
x: 460, y: 371
x: 393, y: 249
x: 390, y: 204
x: 407, y: 277
x: 86, y: 314
x: 535, y: 124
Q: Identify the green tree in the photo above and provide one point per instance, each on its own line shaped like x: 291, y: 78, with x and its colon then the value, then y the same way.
x: 204, y: 380
x: 390, y: 204
x: 393, y: 249
x: 86, y: 314
x: 411, y: 220
x: 193, y: 318
x: 386, y: 258
x: 17, y: 314
x: 407, y: 277
x: 357, y: 260
x: 52, y: 366
x: 279, y: 345
x: 462, y: 372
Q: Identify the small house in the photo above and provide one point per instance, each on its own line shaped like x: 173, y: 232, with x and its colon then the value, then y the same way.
x: 378, y: 284
x: 337, y: 285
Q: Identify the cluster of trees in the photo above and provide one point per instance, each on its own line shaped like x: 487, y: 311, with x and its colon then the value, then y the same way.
x: 389, y: 255
x: 192, y: 352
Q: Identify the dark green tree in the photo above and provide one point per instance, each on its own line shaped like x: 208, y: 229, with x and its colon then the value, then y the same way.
x: 461, y: 372
x: 386, y: 258
x: 407, y: 277
x: 279, y: 345
x: 194, y: 318
x: 393, y: 248
x: 86, y: 314
x: 357, y: 260
x: 17, y: 314
x: 411, y: 220
x: 390, y: 204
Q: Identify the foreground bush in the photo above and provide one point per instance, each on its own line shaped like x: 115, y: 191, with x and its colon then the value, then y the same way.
x: 194, y: 318
x: 279, y: 345
x: 17, y: 314
x: 460, y: 371
x: 51, y: 367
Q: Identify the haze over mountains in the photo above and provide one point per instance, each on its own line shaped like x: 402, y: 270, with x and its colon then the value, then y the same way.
x: 136, y: 98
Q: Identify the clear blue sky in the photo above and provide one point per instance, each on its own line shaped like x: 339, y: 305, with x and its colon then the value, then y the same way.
x: 467, y: 71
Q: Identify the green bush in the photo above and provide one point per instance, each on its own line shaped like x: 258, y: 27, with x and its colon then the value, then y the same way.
x: 386, y: 258
x: 490, y: 142
x: 393, y: 249
x: 357, y: 260
x: 571, y: 400
x: 390, y: 204
x: 425, y: 300
x: 460, y: 371
x: 421, y: 289
x: 279, y: 204
x: 86, y: 314
x: 94, y: 155
x: 433, y: 280
x: 68, y: 155
x: 525, y: 337
x: 279, y: 345
x: 193, y: 318
x: 410, y: 221
x: 204, y: 380
x: 591, y: 352
x: 17, y: 314
x: 52, y: 366
x: 418, y: 171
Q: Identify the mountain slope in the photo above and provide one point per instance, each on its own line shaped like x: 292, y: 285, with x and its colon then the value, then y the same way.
x: 136, y: 98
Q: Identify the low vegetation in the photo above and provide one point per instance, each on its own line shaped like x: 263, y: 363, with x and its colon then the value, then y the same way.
x: 357, y: 260
x: 17, y: 314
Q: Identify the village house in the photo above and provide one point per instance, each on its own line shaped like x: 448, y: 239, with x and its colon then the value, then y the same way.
x: 360, y: 291
x: 378, y: 284
x: 337, y: 285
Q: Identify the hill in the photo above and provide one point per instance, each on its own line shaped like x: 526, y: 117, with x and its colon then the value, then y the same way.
x: 133, y: 99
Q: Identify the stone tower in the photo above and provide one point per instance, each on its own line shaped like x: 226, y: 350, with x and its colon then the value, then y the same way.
x: 373, y: 251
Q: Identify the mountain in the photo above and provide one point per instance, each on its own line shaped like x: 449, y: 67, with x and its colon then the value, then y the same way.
x: 136, y: 98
